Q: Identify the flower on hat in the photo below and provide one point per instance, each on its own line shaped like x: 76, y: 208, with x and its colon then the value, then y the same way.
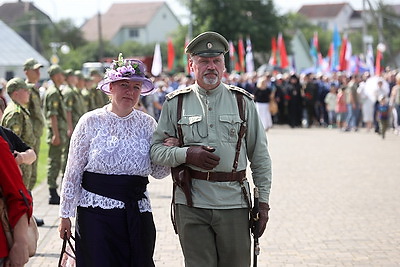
x: 123, y: 68
x: 126, y: 69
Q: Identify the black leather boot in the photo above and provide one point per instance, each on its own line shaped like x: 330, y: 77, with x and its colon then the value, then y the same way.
x: 54, y: 198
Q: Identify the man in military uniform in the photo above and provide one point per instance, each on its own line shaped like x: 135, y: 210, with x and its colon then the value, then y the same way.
x: 219, y: 130
x: 58, y: 130
x: 100, y: 98
x: 32, y: 73
x: 80, y: 86
x: 87, y: 94
x: 17, y: 118
x: 73, y: 103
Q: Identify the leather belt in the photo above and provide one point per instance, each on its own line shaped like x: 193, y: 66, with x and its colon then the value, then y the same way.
x: 218, y: 176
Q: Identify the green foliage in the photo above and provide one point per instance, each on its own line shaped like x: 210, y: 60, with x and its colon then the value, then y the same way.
x: 237, y: 18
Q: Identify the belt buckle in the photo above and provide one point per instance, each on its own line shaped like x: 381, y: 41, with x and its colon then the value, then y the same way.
x: 208, y: 176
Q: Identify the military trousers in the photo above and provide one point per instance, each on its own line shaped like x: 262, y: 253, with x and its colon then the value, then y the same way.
x: 33, y: 179
x: 66, y: 151
x: 214, y: 237
x: 55, y: 161
x: 26, y: 174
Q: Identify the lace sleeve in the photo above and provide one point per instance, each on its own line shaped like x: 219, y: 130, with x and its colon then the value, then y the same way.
x: 159, y: 172
x: 77, y: 159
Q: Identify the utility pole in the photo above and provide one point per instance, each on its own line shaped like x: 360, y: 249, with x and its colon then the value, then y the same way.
x: 190, y: 29
x: 101, y: 49
x: 379, y: 22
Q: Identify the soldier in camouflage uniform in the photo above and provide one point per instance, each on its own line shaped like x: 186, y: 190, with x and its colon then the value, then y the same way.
x: 17, y: 118
x: 80, y: 86
x: 57, y: 131
x: 87, y: 95
x: 99, y: 96
x: 73, y: 103
x: 32, y: 73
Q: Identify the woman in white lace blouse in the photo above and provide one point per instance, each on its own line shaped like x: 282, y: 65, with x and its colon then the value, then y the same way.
x: 106, y: 175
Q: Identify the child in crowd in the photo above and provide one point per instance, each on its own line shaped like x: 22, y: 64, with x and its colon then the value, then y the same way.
x: 341, y: 109
x: 383, y: 115
x: 330, y: 101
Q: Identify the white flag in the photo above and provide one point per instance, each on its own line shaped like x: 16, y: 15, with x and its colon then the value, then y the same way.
x: 370, y: 60
x: 156, y: 67
x: 249, y: 56
x: 349, y: 52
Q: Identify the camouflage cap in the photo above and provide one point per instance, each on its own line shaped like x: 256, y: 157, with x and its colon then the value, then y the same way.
x: 79, y: 74
x: 94, y: 72
x: 69, y: 72
x: 15, y: 84
x: 207, y: 44
x: 32, y: 64
x: 54, y: 69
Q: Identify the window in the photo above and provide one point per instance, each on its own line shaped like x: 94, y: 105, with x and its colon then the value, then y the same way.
x: 133, y: 33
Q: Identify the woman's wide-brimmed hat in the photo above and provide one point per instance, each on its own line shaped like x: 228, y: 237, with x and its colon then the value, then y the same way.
x: 126, y: 69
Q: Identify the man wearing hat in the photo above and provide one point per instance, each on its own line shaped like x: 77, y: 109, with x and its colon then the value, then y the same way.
x: 219, y: 130
x: 87, y: 94
x: 17, y: 118
x: 58, y: 129
x: 80, y: 86
x: 100, y: 98
x: 73, y: 102
x: 32, y: 73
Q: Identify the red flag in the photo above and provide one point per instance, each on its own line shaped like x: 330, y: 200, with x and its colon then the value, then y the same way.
x: 171, y: 55
x: 378, y: 62
x: 241, y: 52
x: 282, y: 52
x: 233, y: 58
x: 342, y: 59
x: 272, y: 59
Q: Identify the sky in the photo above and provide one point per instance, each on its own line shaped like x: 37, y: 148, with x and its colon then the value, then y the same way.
x: 80, y: 10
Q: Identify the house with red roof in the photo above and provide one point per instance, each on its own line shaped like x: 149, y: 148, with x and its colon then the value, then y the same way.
x: 145, y: 22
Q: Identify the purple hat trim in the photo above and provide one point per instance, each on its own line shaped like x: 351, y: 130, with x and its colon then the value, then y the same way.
x: 126, y: 69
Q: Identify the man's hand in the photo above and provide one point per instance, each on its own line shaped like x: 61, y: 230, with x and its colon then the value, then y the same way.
x: 202, y: 157
x: 263, y: 213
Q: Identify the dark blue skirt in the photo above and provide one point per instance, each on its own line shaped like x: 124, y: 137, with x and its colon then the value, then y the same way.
x: 115, y: 237
x: 102, y: 239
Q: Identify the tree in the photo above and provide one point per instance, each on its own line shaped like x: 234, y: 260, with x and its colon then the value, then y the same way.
x: 239, y: 18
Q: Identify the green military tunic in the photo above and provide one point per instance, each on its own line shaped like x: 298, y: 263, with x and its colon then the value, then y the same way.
x: 100, y: 98
x: 54, y: 105
x: 74, y: 103
x: 37, y: 119
x: 211, y: 117
x: 88, y: 100
x: 17, y: 118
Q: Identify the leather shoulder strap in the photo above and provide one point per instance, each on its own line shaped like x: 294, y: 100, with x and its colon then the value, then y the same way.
x: 179, y: 116
x: 242, y: 130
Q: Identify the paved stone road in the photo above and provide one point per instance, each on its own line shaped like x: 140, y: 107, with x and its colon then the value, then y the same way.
x: 334, y: 202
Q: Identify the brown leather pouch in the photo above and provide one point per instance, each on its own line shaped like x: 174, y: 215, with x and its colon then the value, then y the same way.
x: 181, y: 178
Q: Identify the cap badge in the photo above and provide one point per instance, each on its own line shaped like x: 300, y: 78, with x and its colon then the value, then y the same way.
x: 209, y: 45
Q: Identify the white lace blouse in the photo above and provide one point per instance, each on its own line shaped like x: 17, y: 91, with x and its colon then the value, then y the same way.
x: 103, y: 142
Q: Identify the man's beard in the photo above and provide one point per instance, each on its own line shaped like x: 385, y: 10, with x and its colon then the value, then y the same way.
x: 210, y: 81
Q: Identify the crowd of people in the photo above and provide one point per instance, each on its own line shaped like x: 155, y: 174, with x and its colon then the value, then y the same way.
x: 96, y: 124
x: 337, y: 100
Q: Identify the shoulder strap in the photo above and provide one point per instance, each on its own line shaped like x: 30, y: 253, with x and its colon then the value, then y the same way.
x: 242, y: 130
x: 179, y: 116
